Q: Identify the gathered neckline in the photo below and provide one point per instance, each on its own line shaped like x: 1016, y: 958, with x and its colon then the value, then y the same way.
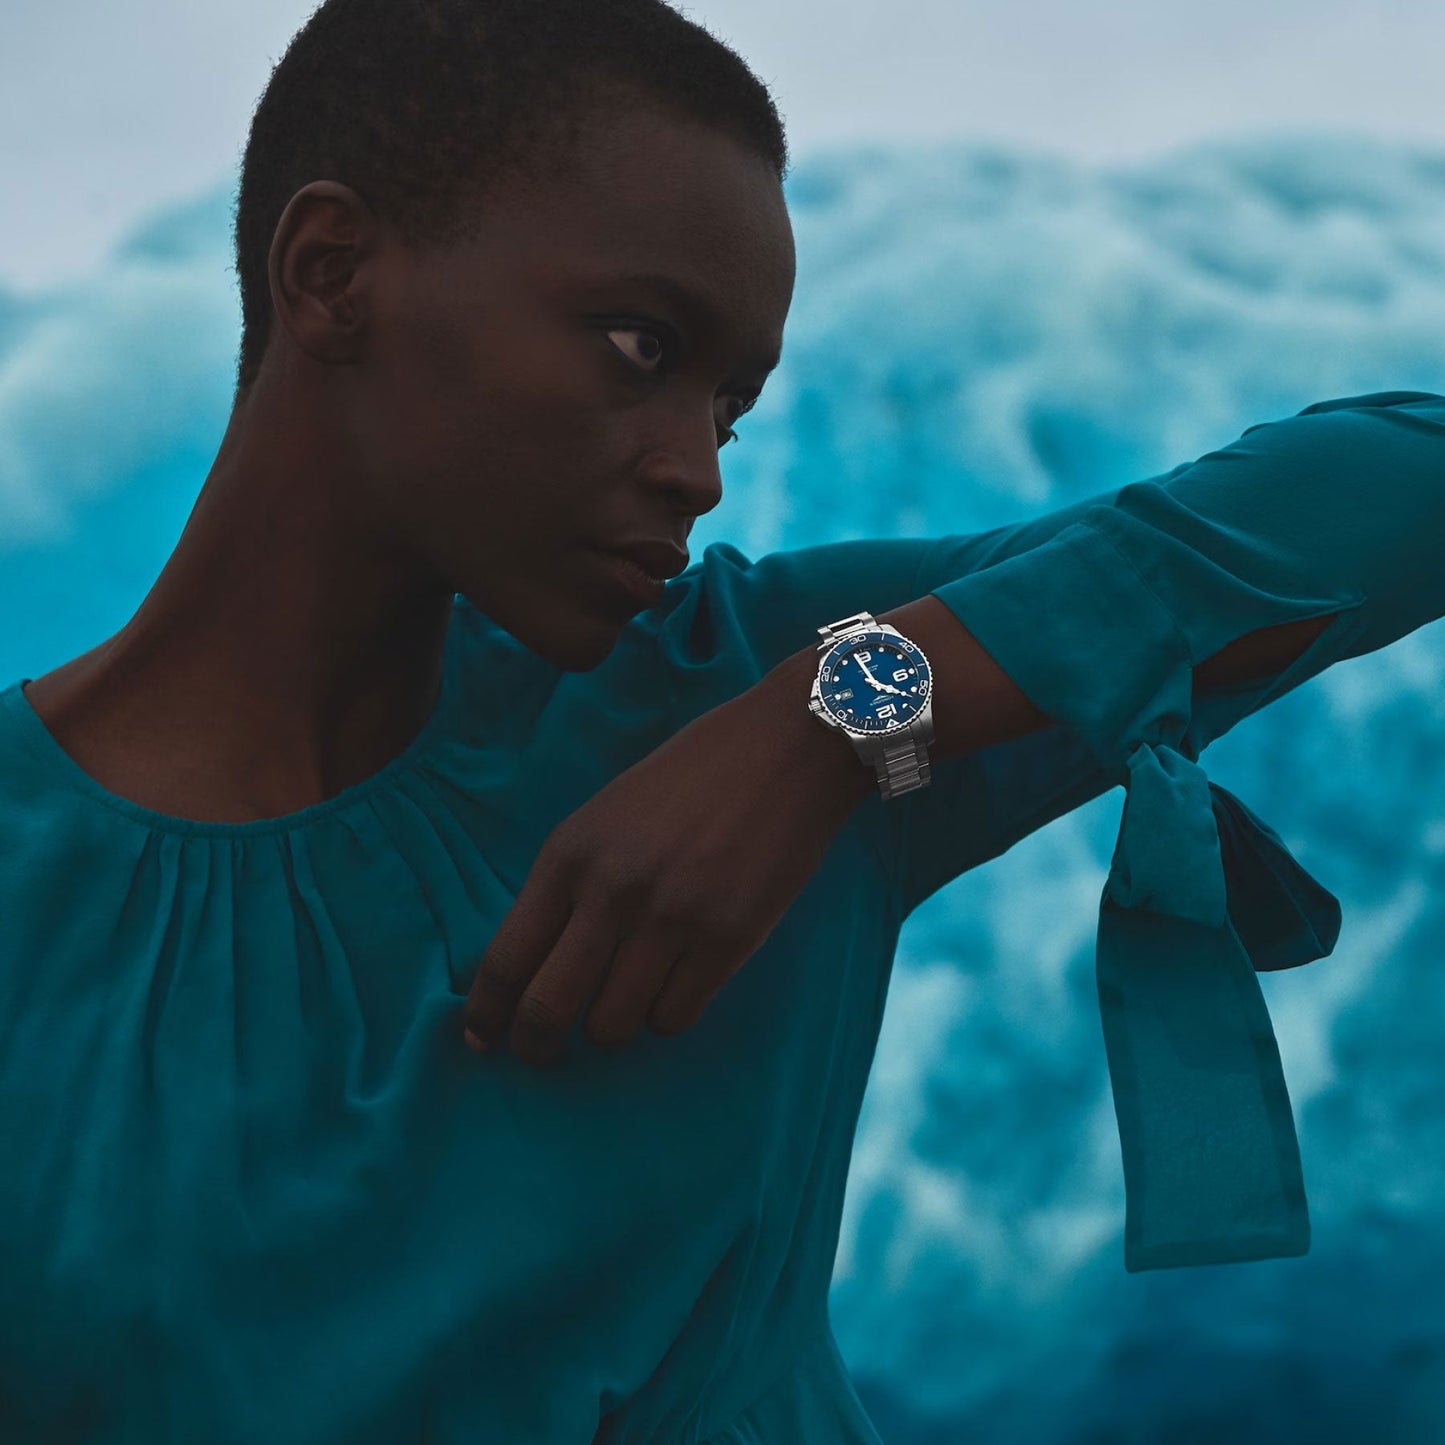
x: 47, y: 750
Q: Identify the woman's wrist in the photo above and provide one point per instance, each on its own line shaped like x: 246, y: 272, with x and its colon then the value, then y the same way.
x: 785, y: 691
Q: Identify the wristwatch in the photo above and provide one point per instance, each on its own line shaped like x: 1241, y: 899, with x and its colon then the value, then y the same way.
x: 875, y: 687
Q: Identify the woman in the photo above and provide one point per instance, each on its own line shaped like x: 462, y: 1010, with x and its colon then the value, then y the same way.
x: 267, y: 847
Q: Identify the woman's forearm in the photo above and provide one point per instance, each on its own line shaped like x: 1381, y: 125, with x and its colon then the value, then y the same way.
x: 977, y: 704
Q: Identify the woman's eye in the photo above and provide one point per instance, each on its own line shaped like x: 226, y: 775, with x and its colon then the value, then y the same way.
x: 656, y: 348
x: 649, y: 354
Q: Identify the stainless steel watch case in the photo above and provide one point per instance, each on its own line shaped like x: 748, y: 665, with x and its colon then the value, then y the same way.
x: 899, y: 757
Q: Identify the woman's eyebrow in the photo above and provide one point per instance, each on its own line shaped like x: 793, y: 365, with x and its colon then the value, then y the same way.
x: 700, y: 308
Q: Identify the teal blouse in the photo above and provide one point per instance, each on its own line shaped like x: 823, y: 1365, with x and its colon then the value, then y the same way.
x: 257, y: 1188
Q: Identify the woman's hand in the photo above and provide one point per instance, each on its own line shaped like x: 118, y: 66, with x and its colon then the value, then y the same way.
x: 663, y: 884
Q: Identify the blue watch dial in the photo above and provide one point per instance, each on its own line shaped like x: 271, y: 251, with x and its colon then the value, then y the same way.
x: 875, y: 683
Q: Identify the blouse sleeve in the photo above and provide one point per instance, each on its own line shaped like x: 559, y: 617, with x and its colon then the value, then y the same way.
x: 1340, y: 509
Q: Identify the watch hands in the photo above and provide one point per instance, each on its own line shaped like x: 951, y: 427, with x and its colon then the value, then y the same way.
x: 873, y: 681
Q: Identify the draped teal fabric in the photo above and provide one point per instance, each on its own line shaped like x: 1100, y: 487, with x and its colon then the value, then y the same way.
x: 1338, y: 510
x: 257, y: 1189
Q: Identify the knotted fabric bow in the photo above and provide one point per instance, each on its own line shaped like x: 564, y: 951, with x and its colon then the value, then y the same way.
x: 1201, y: 894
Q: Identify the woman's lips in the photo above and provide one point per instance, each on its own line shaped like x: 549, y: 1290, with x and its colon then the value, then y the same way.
x: 630, y: 578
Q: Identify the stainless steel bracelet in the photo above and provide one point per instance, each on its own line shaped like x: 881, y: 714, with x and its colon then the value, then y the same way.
x: 901, y: 762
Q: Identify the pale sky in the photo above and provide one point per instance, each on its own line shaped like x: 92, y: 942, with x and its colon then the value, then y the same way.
x: 107, y: 111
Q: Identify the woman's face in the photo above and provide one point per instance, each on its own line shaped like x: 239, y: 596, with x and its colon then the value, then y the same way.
x: 520, y: 402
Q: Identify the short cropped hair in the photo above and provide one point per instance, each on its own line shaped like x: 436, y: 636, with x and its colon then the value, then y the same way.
x: 427, y: 107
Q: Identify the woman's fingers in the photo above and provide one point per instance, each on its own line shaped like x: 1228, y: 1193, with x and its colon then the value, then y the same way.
x: 648, y: 898
x: 649, y: 978
x: 548, y: 1006
x: 640, y: 969
x: 525, y: 937
x: 696, y: 979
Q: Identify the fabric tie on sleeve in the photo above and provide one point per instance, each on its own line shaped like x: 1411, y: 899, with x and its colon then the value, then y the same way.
x: 1200, y: 894
x: 1334, y: 513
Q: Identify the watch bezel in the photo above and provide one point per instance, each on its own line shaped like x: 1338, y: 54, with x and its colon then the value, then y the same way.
x: 882, y: 633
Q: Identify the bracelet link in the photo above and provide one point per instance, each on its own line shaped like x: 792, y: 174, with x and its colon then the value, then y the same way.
x: 901, y: 764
